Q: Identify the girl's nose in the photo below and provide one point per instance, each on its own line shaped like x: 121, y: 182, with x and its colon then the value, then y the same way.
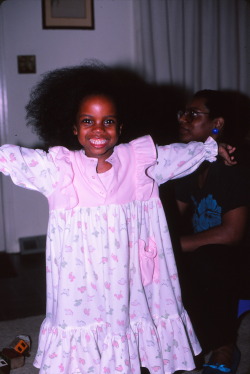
x: 99, y: 127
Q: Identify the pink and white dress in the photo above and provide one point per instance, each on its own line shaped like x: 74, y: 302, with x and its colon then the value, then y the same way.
x: 113, y: 295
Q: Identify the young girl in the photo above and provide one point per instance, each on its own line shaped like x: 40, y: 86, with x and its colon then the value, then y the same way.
x: 113, y: 296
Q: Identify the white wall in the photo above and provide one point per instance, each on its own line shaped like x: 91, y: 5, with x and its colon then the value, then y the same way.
x: 111, y: 42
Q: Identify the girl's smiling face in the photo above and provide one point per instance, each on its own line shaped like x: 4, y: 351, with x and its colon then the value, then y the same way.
x: 97, y: 126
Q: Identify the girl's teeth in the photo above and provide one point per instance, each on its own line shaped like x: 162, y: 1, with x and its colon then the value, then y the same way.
x: 97, y: 141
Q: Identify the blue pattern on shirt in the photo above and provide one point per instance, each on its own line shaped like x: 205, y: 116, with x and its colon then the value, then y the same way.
x: 207, y: 214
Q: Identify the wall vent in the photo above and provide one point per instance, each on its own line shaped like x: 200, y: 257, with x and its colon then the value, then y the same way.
x: 32, y: 244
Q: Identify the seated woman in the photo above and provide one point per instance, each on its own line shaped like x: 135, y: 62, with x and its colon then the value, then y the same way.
x: 214, y: 201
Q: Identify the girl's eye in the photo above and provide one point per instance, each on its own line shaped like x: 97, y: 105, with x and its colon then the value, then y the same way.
x: 109, y: 122
x: 86, y: 121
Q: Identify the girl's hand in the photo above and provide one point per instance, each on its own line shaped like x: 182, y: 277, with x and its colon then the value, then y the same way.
x: 225, y: 151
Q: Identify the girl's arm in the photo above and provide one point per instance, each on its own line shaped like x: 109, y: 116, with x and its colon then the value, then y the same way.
x: 29, y: 168
x: 179, y: 159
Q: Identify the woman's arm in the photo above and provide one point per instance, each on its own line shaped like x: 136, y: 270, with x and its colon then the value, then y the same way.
x: 230, y: 231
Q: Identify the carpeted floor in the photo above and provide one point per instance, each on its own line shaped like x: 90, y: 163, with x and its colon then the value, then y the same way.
x: 25, y: 326
x: 30, y: 326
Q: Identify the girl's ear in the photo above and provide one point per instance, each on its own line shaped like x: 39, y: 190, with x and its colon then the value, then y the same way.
x: 75, y: 130
x: 120, y: 128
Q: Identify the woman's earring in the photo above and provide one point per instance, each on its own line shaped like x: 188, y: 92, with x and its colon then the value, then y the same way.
x: 215, y: 130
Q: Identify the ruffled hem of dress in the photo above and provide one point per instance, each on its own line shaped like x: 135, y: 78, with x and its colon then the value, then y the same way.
x: 164, y: 348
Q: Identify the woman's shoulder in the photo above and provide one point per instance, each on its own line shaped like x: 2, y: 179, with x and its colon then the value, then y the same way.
x: 239, y: 169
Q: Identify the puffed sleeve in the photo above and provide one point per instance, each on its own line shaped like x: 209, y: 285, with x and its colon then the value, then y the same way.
x: 178, y: 159
x: 33, y: 169
x: 145, y: 156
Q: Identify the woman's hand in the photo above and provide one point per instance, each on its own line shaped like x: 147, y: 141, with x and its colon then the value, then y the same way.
x: 225, y: 151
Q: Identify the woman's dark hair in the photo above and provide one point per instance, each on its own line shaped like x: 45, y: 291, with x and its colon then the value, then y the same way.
x: 55, y: 100
x: 234, y: 107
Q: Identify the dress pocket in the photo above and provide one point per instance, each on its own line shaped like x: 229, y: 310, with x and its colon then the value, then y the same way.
x: 148, y: 257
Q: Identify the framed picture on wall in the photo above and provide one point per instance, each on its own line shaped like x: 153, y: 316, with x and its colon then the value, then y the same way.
x: 68, y: 14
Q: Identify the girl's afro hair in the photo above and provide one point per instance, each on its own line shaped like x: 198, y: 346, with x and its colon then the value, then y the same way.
x: 55, y: 100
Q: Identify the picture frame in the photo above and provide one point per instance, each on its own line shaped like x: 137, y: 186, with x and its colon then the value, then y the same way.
x: 68, y: 14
